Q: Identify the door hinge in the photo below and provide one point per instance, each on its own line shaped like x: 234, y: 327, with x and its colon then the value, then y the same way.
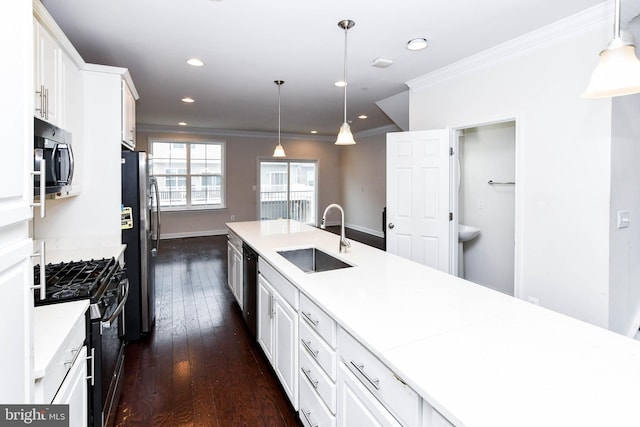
x: 451, y: 151
x: 450, y: 216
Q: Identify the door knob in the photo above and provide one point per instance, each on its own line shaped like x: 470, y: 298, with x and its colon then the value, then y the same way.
x: 391, y: 225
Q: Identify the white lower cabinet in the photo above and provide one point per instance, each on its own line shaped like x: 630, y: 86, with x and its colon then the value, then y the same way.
x: 382, y: 383
x: 74, y: 389
x: 433, y: 418
x: 234, y: 268
x: 313, y: 411
x: 357, y: 406
x: 278, y: 327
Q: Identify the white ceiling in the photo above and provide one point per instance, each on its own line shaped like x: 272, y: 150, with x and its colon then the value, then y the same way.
x: 247, y: 44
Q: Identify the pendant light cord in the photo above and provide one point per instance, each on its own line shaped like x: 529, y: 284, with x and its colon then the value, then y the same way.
x: 345, y: 73
x: 616, y: 22
x: 279, y: 113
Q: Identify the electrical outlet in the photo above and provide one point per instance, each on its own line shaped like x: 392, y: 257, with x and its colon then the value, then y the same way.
x: 623, y: 219
x: 233, y: 217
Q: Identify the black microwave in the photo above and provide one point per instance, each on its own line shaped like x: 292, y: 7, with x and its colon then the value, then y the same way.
x: 53, y: 145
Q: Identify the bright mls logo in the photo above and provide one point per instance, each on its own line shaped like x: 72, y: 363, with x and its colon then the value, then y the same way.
x: 34, y: 415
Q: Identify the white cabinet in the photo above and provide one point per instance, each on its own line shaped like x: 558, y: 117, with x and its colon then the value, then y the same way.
x: 74, y: 391
x: 16, y: 272
x: 47, y: 75
x: 382, y: 383
x: 278, y: 327
x: 433, y: 418
x: 318, y: 365
x: 357, y: 406
x: 128, y: 129
x: 234, y: 268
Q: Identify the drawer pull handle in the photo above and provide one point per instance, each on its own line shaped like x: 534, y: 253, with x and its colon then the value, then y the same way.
x: 307, y: 345
x: 307, y: 416
x: 93, y: 366
x: 307, y: 373
x: 375, y: 382
x: 310, y: 319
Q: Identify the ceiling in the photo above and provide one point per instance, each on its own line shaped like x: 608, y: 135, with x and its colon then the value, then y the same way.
x: 247, y: 44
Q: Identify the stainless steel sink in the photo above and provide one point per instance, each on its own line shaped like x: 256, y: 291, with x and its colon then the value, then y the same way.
x: 313, y: 260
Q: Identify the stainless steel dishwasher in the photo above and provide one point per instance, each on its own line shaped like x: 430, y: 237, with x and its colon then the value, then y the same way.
x: 250, y: 287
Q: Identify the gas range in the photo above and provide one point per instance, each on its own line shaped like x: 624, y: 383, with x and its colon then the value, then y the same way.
x: 104, y: 283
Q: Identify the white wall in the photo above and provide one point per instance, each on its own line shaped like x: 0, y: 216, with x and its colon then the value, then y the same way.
x: 624, y: 292
x: 242, y: 152
x: 488, y: 153
x: 363, y: 182
x: 562, y: 150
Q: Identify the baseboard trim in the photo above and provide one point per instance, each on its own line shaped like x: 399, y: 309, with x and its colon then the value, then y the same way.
x: 376, y: 233
x: 169, y: 236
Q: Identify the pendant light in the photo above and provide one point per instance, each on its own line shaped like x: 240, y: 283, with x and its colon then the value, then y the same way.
x: 345, y: 137
x: 618, y: 72
x: 279, y: 150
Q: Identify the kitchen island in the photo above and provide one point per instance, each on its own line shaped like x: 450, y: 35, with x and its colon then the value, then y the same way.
x: 476, y: 356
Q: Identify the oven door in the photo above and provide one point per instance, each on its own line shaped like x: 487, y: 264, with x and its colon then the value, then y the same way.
x: 109, y: 353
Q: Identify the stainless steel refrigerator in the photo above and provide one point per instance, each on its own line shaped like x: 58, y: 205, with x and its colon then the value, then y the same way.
x: 141, y: 234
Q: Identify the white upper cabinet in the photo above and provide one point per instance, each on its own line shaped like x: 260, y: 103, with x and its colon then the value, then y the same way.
x: 128, y: 116
x: 47, y: 76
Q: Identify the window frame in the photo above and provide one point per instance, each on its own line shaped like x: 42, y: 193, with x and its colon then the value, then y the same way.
x: 189, y: 206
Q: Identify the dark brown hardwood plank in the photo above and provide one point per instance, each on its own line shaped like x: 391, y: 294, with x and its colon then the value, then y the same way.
x: 199, y: 366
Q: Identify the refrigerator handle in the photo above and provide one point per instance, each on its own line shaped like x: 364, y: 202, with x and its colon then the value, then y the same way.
x: 156, y: 240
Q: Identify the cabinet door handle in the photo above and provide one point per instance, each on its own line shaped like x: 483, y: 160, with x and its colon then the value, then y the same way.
x: 273, y: 306
x: 307, y: 345
x: 46, y: 103
x: 40, y: 93
x: 307, y: 373
x: 93, y: 366
x: 310, y: 319
x: 42, y: 173
x: 375, y: 382
x: 43, y: 273
x: 307, y: 417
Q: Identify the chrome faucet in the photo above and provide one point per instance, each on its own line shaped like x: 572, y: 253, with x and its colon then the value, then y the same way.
x: 344, y: 243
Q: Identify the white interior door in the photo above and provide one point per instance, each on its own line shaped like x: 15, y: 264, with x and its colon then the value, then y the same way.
x: 418, y: 225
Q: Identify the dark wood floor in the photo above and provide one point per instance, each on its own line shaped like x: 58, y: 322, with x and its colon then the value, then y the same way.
x: 199, y: 367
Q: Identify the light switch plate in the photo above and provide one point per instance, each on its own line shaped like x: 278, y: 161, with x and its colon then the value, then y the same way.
x: 623, y: 219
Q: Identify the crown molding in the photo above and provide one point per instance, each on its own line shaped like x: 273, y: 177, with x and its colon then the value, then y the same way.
x: 572, y: 25
x: 148, y: 128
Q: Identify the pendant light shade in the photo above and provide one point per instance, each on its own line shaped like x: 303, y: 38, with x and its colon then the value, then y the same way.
x: 345, y: 137
x: 618, y: 72
x: 279, y: 150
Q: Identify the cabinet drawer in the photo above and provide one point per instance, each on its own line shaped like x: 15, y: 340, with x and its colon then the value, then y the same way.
x: 320, y: 321
x: 313, y: 413
x: 313, y: 374
x: 283, y: 286
x: 401, y: 400
x: 234, y: 241
x: 317, y: 348
x: 47, y: 386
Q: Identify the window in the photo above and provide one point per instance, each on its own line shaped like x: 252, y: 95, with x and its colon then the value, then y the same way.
x: 190, y: 174
x: 288, y: 190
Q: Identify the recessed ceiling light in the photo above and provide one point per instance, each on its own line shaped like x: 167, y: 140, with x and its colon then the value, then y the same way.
x: 362, y: 116
x: 314, y: 131
x: 340, y: 83
x: 182, y: 123
x: 382, y: 62
x: 417, y: 44
x: 188, y: 100
x: 195, y: 62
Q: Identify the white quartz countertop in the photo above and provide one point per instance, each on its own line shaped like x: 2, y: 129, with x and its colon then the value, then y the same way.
x: 479, y: 357
x: 52, y: 324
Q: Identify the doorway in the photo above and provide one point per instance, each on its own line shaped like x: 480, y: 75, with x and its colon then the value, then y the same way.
x: 486, y: 187
x: 288, y: 189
